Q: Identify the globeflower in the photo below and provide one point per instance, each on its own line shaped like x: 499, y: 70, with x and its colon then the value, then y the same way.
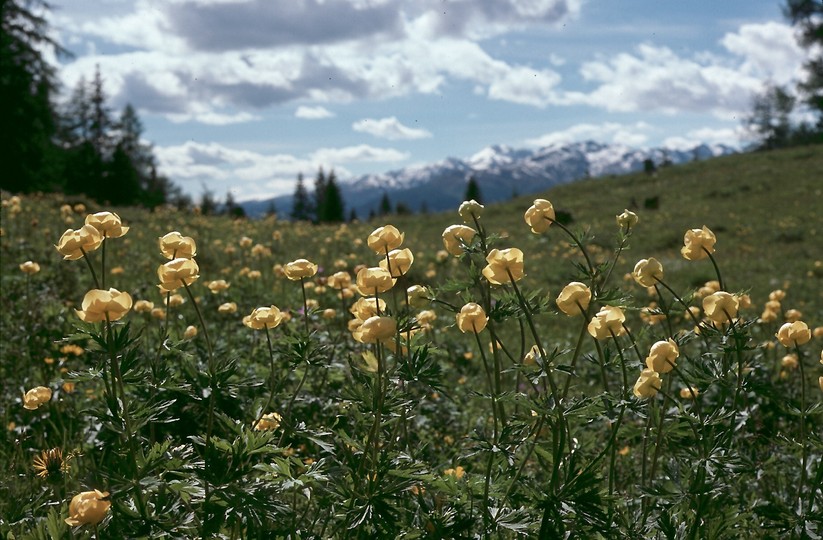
x: 107, y: 223
x: 73, y: 243
x: 268, y: 422
x: 540, y: 216
x: 418, y: 296
x: 367, y: 307
x: 99, y: 305
x: 175, y: 246
x: 263, y: 317
x: 217, y: 285
x: 607, y: 322
x: 455, y: 237
x: 470, y: 210
x: 574, y: 299
x: 720, y: 307
x: 647, y: 384
x: 375, y: 280
x: 793, y: 334
x: 177, y: 273
x: 627, y: 219
x: 472, y: 318
x: 505, y: 266
x: 398, y: 263
x: 339, y: 280
x: 384, y: 239
x: 35, y: 397
x: 376, y: 329
x: 698, y: 244
x: 647, y: 272
x: 88, y: 508
x: 29, y: 267
x: 662, y: 356
x: 227, y: 308
x: 299, y: 269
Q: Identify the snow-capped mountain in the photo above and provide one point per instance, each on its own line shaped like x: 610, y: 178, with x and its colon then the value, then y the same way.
x: 500, y: 171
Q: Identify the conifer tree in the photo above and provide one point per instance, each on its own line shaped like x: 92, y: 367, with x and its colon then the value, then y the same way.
x: 300, y: 206
x: 333, y: 209
x: 320, y: 183
x: 473, y: 191
x: 385, y: 205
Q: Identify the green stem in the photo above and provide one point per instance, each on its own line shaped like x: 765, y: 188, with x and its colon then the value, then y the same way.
x: 716, y: 270
x: 804, y: 448
x: 305, y: 305
x: 91, y: 269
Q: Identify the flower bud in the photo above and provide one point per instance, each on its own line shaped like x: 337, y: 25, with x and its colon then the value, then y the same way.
x: 35, y: 397
x: 627, y: 219
x: 698, y: 244
x: 88, y: 508
x: 455, y: 237
x: 539, y: 216
x: 574, y: 299
x: 647, y: 272
x: 472, y: 318
x: 662, y: 356
x: 647, y: 384
x: 607, y: 322
x: 470, y: 210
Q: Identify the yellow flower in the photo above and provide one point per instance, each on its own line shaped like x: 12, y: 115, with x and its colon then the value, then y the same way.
x: 720, y: 307
x: 217, y: 285
x: 689, y: 392
x: 505, y: 265
x: 470, y: 210
x: 384, y: 239
x: 472, y: 318
x: 456, y: 236
x: 698, y: 244
x: 158, y: 313
x: 173, y: 301
x: 627, y: 219
x: 245, y: 242
x: 457, y: 472
x: 190, y: 333
x: 399, y: 262
x: 418, y: 296
x: 88, y: 508
x: 29, y: 267
x: 647, y: 384
x: 99, y: 305
x: 794, y: 334
x: 301, y: 268
x: 227, y: 308
x: 376, y: 329
x: 329, y: 313
x: 375, y: 280
x: 339, y: 280
x: 36, y: 397
x: 175, y: 246
x: 789, y: 361
x: 177, y: 273
x: 539, y: 216
x: 574, y: 299
x: 647, y: 272
x: 268, y: 422
x: 532, y: 356
x: 792, y: 315
x: 662, y: 356
x: 367, y: 307
x: 73, y: 243
x: 50, y: 463
x: 609, y: 320
x: 143, y: 306
x: 263, y: 317
x: 108, y: 223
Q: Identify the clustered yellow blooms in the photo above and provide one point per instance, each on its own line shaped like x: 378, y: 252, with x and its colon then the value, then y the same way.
x: 88, y: 508
x: 574, y: 299
x: 504, y: 266
x: 99, y: 305
x: 698, y: 244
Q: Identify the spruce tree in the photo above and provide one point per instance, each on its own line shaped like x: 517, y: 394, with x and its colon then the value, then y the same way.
x: 333, y: 209
x: 320, y: 183
x: 300, y: 206
x: 473, y: 191
x: 385, y: 205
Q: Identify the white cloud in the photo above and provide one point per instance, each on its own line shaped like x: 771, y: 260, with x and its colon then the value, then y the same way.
x: 313, y: 113
x: 358, y: 153
x: 730, y: 136
x: 608, y: 132
x: 389, y: 128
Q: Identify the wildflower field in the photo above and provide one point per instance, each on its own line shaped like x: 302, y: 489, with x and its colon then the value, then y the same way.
x: 551, y: 367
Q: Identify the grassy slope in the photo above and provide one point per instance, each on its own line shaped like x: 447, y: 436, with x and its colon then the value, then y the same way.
x: 765, y: 209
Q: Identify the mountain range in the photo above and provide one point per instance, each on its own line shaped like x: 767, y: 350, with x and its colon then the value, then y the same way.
x: 500, y: 171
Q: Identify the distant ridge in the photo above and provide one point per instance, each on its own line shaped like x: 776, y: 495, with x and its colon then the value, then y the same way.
x: 500, y: 171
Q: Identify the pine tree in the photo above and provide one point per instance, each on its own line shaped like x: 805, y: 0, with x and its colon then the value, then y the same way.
x: 807, y: 15
x: 27, y: 82
x: 385, y: 205
x: 300, y: 206
x: 473, y: 191
x: 320, y: 183
x: 333, y: 208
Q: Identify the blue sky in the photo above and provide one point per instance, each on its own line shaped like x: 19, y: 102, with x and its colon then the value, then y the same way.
x: 242, y: 95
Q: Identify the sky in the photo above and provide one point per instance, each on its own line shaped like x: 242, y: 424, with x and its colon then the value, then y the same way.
x: 242, y: 95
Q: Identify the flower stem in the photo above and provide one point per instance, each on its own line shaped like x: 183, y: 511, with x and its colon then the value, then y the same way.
x: 91, y: 268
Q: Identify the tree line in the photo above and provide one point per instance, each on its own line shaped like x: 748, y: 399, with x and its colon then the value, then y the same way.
x: 772, y: 119
x: 80, y: 147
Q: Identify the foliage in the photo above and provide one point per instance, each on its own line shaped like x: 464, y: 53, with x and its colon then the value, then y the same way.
x: 316, y: 428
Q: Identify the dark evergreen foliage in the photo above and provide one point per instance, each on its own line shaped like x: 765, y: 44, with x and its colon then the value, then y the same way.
x: 473, y: 191
x: 301, y: 205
